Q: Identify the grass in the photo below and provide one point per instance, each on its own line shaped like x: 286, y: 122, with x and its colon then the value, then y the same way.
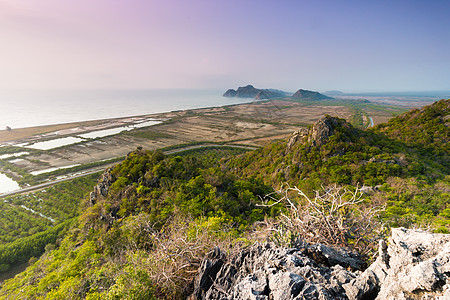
x: 148, y: 134
x: 15, y: 149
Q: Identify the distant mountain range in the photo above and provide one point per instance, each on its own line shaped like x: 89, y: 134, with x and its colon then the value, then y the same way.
x: 249, y: 91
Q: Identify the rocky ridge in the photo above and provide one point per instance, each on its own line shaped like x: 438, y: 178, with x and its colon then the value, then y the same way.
x: 412, y: 265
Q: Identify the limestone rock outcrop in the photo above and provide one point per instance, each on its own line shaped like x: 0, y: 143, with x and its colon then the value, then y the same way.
x: 412, y: 265
x: 322, y: 130
x: 318, y: 134
x: 270, y: 272
x: 101, y: 189
x: 297, y: 136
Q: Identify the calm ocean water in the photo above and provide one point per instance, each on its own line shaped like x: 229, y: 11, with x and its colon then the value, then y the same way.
x: 43, y: 107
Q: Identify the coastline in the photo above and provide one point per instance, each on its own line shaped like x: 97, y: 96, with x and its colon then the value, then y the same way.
x: 62, y: 129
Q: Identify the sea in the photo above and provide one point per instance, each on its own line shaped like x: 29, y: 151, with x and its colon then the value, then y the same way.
x: 27, y: 108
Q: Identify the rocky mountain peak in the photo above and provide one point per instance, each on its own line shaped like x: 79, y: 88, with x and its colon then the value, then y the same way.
x: 322, y: 130
x: 317, y: 135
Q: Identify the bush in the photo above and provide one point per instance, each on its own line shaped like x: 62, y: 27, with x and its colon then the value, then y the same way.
x: 335, y: 217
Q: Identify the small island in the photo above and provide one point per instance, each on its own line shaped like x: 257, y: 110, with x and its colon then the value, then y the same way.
x: 249, y: 91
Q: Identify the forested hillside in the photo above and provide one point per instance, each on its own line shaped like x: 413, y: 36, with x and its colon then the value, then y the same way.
x: 406, y: 160
x: 150, y: 220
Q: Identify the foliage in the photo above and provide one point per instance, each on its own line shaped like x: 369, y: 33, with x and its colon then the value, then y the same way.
x: 22, y: 250
x: 28, y: 214
x: 425, y: 130
x: 16, y: 149
x: 135, y: 261
x: 416, y: 203
x: 146, y: 238
x: 148, y: 134
x: 159, y: 185
x: 413, y: 145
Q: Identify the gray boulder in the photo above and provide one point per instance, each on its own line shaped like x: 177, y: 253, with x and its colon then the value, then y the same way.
x: 411, y: 265
x: 101, y: 189
x: 269, y: 272
x: 322, y: 130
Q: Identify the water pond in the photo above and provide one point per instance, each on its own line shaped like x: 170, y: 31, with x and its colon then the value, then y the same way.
x: 7, y: 184
x: 105, y: 132
x: 112, y: 131
x: 5, y: 156
x: 47, y: 145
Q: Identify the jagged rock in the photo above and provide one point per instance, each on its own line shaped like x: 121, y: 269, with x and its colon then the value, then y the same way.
x: 101, y: 189
x: 309, y: 95
x: 209, y: 269
x: 412, y: 265
x: 363, y: 287
x: 270, y: 272
x: 297, y: 136
x: 322, y: 130
x: 330, y: 257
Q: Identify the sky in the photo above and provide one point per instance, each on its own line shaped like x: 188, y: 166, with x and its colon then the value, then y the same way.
x: 351, y: 46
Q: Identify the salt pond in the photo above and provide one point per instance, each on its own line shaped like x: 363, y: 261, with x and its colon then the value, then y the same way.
x: 55, y: 143
x: 105, y: 132
x: 147, y: 123
x: 5, y: 156
x: 112, y: 131
x: 7, y: 184
x: 51, y: 169
x: 65, y: 141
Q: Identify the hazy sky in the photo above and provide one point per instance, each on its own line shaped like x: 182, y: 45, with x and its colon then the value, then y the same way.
x: 321, y: 45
